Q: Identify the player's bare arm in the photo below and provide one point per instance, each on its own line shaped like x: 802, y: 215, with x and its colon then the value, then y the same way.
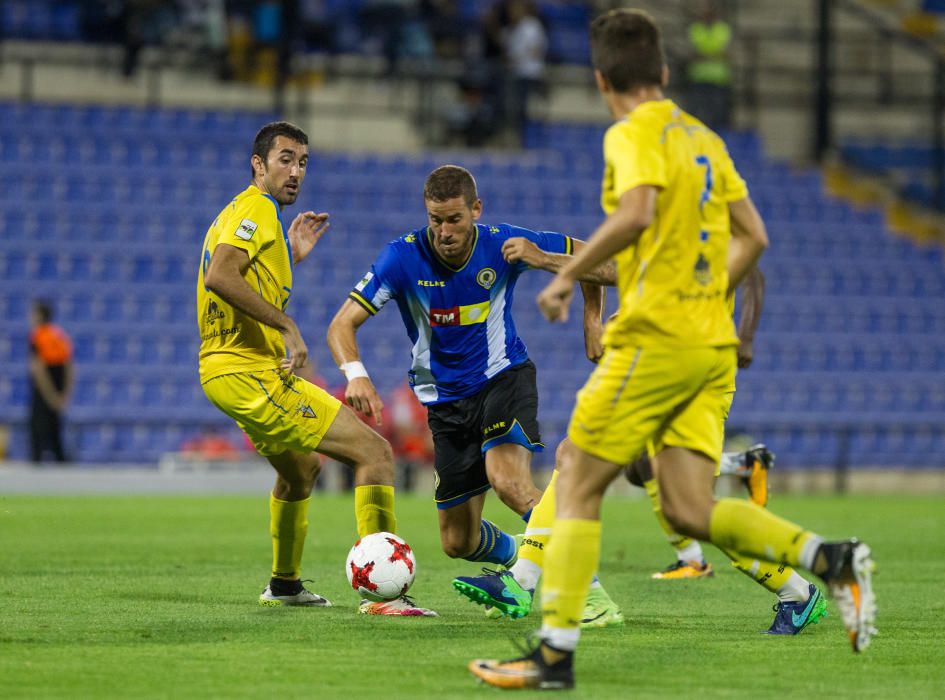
x: 523, y: 250
x: 752, y: 290
x: 360, y: 394
x: 749, y: 240
x: 306, y: 229
x: 633, y: 215
x: 224, y: 277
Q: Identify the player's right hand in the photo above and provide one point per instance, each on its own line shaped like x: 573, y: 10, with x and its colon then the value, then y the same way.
x: 304, y: 233
x: 362, y: 396
x: 555, y: 299
x: 745, y: 354
x: 296, y: 350
x: 520, y: 249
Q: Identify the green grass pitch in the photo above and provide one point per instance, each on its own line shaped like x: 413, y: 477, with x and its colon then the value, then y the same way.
x: 140, y: 596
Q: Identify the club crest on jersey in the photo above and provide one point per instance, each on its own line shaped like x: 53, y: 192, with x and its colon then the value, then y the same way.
x: 246, y: 229
x: 486, y: 277
x: 702, y: 271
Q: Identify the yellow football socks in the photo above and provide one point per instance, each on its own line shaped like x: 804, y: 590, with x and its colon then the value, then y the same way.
x: 538, y: 530
x: 741, y: 526
x: 570, y: 563
x: 374, y: 509
x: 771, y: 576
x: 676, y: 540
x: 288, y: 525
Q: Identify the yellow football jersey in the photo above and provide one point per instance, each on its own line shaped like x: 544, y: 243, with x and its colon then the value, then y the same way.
x: 673, y: 282
x: 231, y: 341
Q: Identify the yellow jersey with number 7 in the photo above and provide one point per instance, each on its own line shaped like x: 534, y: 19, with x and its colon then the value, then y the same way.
x: 673, y: 281
x: 231, y: 341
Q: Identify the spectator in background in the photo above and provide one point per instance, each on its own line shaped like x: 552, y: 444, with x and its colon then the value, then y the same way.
x: 526, y: 48
x: 143, y: 23
x: 474, y: 119
x: 51, y: 381
x: 387, y: 20
x: 709, y: 71
x: 320, y: 26
x: 445, y: 26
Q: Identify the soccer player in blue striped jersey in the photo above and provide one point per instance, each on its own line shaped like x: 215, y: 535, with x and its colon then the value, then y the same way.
x: 453, y: 287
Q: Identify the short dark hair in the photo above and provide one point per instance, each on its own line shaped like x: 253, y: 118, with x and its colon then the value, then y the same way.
x: 44, y: 310
x: 262, y: 144
x: 449, y: 181
x: 627, y: 49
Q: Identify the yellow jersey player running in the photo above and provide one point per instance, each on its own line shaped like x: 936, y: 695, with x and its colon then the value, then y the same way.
x: 250, y: 348
x: 684, y: 233
x: 800, y: 603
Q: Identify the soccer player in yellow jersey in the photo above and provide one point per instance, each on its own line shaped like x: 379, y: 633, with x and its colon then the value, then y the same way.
x: 800, y: 603
x: 683, y: 232
x: 250, y: 349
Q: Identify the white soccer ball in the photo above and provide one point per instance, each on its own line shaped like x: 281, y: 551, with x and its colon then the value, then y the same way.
x: 381, y: 566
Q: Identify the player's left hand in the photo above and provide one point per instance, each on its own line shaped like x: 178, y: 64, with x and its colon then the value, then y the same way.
x: 522, y: 250
x: 555, y: 299
x: 745, y: 354
x: 304, y: 233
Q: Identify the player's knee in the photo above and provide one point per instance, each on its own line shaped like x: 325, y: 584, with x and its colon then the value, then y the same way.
x: 685, y: 520
x: 382, y: 453
x: 296, y: 486
x: 375, y: 461
x: 518, y: 493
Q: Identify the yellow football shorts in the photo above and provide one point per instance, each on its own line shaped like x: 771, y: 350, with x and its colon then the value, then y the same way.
x: 645, y: 399
x: 278, y: 411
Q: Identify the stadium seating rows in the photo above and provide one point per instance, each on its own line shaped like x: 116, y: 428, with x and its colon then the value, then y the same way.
x: 109, y: 219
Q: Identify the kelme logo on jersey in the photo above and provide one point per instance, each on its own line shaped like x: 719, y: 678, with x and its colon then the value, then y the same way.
x: 246, y: 229
x: 465, y: 315
x: 702, y: 271
x: 486, y: 277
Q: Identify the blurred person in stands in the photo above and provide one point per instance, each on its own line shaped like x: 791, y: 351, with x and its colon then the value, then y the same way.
x: 709, y: 95
x: 526, y: 48
x: 51, y: 382
x: 387, y: 20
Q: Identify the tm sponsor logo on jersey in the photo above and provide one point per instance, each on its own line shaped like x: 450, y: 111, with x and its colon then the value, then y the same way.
x: 431, y: 283
x: 465, y: 315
